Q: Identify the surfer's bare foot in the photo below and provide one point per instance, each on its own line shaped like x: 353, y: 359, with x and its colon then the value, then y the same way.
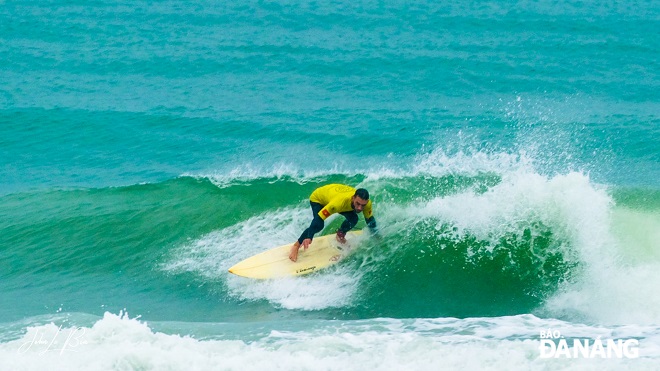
x: 293, y: 256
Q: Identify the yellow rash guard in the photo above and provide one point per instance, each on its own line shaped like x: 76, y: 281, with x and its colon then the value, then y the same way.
x: 336, y: 198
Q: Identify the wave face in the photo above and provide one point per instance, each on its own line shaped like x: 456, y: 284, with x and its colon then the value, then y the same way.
x: 496, y: 240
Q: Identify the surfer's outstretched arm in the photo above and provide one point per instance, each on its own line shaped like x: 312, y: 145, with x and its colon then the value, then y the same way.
x: 371, y: 223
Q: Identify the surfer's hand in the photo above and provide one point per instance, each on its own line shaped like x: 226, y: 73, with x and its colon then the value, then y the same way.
x: 341, y: 236
x: 306, y: 242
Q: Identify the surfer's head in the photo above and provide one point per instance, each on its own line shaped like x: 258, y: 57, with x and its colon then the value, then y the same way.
x: 360, y: 199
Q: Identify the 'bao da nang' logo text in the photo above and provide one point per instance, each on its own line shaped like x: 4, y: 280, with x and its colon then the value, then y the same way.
x: 554, y: 345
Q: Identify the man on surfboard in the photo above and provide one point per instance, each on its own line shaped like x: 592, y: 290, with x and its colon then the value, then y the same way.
x: 331, y: 199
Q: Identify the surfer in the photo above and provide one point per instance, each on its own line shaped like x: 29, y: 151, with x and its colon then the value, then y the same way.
x: 331, y: 199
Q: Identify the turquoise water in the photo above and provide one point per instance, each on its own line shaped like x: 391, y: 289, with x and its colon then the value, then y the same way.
x: 511, y: 150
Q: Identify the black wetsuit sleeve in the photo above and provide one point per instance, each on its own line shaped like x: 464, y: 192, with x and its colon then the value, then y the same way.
x: 371, y: 223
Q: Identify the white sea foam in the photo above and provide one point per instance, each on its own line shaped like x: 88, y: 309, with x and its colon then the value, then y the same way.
x: 116, y: 342
x: 612, y: 287
x: 212, y: 254
x: 469, y: 162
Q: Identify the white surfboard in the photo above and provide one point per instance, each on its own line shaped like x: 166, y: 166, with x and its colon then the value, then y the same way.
x: 274, y: 263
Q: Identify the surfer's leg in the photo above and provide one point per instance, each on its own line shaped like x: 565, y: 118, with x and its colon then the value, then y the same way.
x: 315, y: 226
x: 316, y: 208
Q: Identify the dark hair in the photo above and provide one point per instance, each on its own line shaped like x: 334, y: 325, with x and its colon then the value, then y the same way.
x: 362, y: 193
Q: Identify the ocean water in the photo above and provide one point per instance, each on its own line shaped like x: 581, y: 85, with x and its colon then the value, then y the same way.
x: 511, y: 149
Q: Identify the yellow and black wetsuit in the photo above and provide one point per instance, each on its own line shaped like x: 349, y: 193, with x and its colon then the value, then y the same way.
x: 335, y: 199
